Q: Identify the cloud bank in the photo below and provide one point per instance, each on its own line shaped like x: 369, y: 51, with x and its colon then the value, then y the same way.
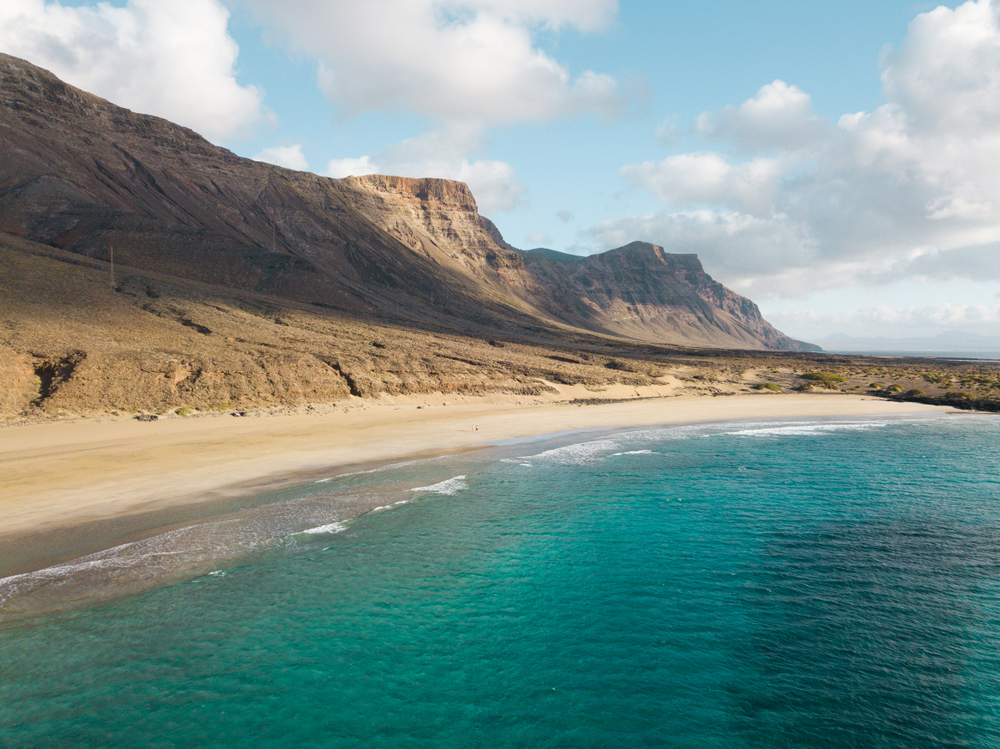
x: 789, y: 203
x: 456, y: 60
x: 465, y: 65
x: 171, y: 58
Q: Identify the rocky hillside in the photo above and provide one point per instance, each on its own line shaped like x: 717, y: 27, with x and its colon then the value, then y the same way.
x: 72, y: 345
x: 642, y: 292
x: 83, y: 175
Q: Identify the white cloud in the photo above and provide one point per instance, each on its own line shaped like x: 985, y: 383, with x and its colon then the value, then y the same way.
x: 171, y: 58
x: 946, y: 74
x: 692, y: 179
x: 287, y: 156
x: 469, y: 60
x: 778, y: 116
x: 341, y: 168
x: 910, y: 190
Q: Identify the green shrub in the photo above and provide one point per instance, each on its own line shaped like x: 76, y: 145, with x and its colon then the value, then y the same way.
x: 894, y: 388
x: 184, y: 411
x: 767, y: 386
x: 219, y: 406
x: 826, y: 379
x: 875, y: 385
x: 915, y: 393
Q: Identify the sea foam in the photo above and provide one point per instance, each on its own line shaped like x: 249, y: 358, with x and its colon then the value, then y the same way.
x: 448, y: 487
x: 328, y: 528
x: 807, y: 429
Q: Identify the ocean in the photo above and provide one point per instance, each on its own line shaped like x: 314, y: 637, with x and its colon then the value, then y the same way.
x: 804, y: 583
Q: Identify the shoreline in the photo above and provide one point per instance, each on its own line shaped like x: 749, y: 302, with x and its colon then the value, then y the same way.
x: 69, y: 489
x: 125, y: 548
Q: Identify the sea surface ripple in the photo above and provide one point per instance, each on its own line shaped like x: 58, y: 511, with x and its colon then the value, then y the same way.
x: 826, y: 583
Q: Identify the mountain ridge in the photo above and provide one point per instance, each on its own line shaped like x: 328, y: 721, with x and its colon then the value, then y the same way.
x: 81, y: 174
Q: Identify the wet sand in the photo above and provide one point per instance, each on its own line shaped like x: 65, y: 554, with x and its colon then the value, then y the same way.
x: 72, y: 488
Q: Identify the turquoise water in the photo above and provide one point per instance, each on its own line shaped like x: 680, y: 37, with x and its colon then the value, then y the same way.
x: 795, y: 584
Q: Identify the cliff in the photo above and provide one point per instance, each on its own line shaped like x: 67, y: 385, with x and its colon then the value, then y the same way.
x: 642, y: 292
x: 83, y: 175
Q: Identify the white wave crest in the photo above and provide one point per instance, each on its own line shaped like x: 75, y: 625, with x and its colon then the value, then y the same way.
x: 383, y: 508
x: 579, y: 453
x: 328, y: 528
x: 448, y: 487
x: 808, y: 429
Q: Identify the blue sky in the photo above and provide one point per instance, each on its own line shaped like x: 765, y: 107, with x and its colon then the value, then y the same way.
x: 839, y: 163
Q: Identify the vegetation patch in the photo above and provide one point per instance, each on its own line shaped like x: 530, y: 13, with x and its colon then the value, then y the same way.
x: 768, y: 386
x: 826, y: 379
x: 958, y: 395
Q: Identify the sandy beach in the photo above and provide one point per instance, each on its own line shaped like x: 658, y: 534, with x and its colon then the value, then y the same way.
x: 132, y: 477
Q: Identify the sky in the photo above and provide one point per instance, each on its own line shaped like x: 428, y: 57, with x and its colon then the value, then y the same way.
x: 837, y: 162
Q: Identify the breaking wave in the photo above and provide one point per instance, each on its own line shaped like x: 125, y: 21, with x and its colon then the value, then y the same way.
x: 448, y: 488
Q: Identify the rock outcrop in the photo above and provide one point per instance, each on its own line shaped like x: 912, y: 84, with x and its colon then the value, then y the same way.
x: 81, y: 174
x: 424, y: 213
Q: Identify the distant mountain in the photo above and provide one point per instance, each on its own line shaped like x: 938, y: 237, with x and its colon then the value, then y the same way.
x: 554, y: 255
x: 81, y: 174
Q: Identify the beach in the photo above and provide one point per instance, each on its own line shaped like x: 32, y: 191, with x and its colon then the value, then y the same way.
x: 71, y: 488
x: 707, y: 584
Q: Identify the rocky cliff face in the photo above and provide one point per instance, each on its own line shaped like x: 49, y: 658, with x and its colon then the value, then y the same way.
x: 638, y: 291
x: 439, y: 218
x: 641, y: 291
x: 424, y: 212
x: 81, y: 174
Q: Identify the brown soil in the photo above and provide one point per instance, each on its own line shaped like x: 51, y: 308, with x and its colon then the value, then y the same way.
x: 73, y: 346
